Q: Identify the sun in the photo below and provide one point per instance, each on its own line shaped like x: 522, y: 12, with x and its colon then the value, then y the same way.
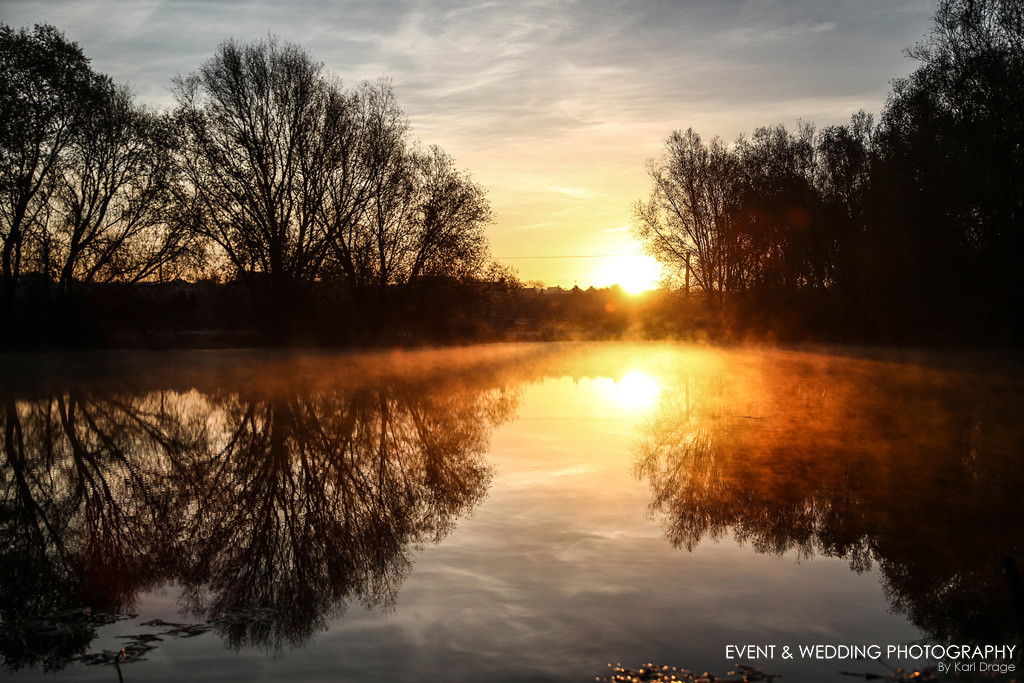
x: 635, y: 273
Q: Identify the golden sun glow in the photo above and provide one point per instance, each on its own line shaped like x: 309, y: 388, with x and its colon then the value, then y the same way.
x: 635, y: 273
x: 636, y: 391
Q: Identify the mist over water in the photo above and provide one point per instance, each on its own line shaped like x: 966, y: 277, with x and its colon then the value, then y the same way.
x: 520, y: 512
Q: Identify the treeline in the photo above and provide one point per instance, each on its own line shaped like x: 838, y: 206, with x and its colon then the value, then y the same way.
x: 268, y: 175
x: 905, y: 230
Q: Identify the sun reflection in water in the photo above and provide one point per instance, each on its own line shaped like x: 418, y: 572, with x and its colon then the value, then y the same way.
x: 636, y: 391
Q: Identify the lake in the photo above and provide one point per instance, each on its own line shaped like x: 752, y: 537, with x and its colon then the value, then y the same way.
x: 528, y: 512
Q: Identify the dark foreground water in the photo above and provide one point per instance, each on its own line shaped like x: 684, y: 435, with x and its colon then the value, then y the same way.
x: 506, y: 513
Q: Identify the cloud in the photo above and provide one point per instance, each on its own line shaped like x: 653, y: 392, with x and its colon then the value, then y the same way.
x: 574, y: 192
x: 553, y: 106
x: 516, y: 71
x: 763, y: 34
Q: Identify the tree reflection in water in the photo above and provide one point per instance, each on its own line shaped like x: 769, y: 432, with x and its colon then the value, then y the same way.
x: 295, y: 499
x: 87, y: 513
x: 913, y: 469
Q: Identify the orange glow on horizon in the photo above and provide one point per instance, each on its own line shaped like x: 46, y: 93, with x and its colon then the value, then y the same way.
x: 635, y: 273
x: 620, y: 264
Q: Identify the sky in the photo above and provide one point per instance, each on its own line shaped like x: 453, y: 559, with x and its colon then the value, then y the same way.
x: 552, y: 106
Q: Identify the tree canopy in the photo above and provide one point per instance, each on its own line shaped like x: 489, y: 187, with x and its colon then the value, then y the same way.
x: 905, y: 229
x: 268, y: 173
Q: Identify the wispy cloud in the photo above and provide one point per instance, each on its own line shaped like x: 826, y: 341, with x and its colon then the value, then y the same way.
x: 575, y: 192
x: 553, y: 106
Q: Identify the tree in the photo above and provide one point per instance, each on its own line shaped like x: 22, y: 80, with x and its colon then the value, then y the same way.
x: 441, y: 270
x: 687, y: 222
x: 294, y: 185
x: 406, y: 217
x: 47, y: 89
x: 762, y: 222
x: 786, y: 246
x: 911, y: 228
x: 845, y: 182
x: 111, y: 218
x: 367, y: 247
x: 951, y: 149
x: 450, y: 217
x: 426, y: 220
x: 266, y: 132
x: 371, y: 166
x: 84, y: 184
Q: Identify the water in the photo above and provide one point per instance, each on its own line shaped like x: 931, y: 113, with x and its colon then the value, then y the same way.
x: 526, y: 512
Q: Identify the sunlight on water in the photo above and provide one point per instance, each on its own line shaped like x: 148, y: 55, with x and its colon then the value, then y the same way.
x: 635, y: 392
x: 524, y: 512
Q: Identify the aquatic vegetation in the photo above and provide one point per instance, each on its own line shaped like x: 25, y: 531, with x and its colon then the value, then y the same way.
x: 652, y: 672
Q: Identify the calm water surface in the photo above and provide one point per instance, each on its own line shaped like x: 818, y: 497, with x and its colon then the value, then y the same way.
x: 507, y: 513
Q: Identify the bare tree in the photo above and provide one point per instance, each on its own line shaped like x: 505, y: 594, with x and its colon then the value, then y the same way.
x: 374, y: 143
x: 265, y: 131
x: 111, y: 219
x: 369, y: 248
x: 401, y: 214
x: 963, y: 29
x: 46, y: 88
x: 451, y: 213
x: 687, y: 222
x: 426, y: 219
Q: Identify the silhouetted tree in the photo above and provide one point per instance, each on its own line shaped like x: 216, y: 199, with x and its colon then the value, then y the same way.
x: 86, y: 182
x: 47, y: 90
x: 374, y: 195
x: 688, y: 221
x: 266, y: 133
x: 951, y: 173
x: 777, y: 212
x: 905, y: 230
x: 425, y: 223
x: 297, y: 181
x: 409, y: 216
x: 268, y: 173
x: 111, y: 219
x: 844, y: 180
x: 743, y: 220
